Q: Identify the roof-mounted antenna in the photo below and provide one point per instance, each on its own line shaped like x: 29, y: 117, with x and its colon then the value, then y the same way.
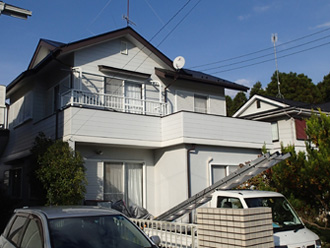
x: 128, y: 21
x: 279, y: 94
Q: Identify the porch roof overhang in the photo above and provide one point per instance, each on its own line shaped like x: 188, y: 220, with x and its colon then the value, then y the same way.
x: 199, y: 77
x: 127, y: 73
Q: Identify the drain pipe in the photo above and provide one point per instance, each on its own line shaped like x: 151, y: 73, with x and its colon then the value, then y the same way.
x: 192, y: 148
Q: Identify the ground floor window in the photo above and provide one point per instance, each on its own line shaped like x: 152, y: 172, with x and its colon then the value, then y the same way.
x: 124, y: 181
x: 13, y: 182
x: 218, y: 172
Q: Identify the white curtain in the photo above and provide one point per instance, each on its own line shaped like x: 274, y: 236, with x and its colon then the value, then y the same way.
x: 124, y: 183
x: 113, y: 183
x: 133, y: 93
x: 134, y: 184
x: 115, y: 93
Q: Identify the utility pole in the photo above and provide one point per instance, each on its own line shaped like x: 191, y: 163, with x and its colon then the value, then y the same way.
x: 13, y: 11
x: 279, y: 95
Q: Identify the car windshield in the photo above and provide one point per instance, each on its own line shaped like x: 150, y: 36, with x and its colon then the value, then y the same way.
x: 284, y: 217
x: 96, y: 231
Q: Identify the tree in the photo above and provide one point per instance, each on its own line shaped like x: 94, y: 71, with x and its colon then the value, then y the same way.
x: 62, y: 174
x: 257, y: 90
x: 40, y: 146
x: 324, y: 88
x: 236, y: 103
x: 317, y: 169
x: 229, y: 105
x: 294, y: 87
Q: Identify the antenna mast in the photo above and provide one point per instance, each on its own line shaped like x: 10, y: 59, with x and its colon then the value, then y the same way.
x: 279, y: 94
x: 128, y: 21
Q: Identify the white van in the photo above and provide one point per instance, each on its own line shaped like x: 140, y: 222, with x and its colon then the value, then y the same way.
x: 289, y: 230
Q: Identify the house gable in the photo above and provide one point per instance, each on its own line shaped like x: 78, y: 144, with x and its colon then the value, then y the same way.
x: 259, y: 104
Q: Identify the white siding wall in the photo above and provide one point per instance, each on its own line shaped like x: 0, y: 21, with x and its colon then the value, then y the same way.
x: 112, y: 127
x: 252, y: 109
x: 170, y: 178
x: 108, y: 53
x: 22, y: 138
x: 94, y: 176
x: 184, y: 127
x: 94, y: 164
x: 287, y: 134
x: 184, y: 100
x: 218, y: 105
x: 217, y: 130
x: 203, y: 156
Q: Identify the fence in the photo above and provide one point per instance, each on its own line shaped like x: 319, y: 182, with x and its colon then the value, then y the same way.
x: 171, y: 234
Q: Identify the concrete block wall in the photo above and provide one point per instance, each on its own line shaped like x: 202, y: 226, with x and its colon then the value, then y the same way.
x: 229, y: 228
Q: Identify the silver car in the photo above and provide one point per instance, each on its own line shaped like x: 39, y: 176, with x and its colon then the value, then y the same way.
x: 68, y: 227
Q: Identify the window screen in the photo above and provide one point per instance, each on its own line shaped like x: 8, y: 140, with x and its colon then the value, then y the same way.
x: 200, y: 104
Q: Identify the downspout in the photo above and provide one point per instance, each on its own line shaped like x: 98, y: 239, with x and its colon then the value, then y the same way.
x: 168, y: 86
x: 193, y: 147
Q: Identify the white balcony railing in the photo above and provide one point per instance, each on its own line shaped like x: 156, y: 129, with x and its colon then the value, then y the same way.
x: 112, y: 102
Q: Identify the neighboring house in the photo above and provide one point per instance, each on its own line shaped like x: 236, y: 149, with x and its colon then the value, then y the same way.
x: 287, y: 118
x: 149, y: 134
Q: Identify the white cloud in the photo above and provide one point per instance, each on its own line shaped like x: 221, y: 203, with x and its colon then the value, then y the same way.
x: 260, y: 9
x: 243, y: 17
x: 256, y: 9
x: 324, y: 25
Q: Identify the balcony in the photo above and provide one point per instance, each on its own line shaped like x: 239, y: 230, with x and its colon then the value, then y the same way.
x: 113, y: 102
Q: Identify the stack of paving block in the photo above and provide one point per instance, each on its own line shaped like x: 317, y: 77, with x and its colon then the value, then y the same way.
x: 227, y: 228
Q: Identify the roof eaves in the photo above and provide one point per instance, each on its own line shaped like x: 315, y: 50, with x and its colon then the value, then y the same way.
x: 32, y: 71
x: 51, y: 45
x: 182, y: 74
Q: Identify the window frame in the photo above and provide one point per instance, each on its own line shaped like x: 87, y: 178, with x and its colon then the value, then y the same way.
x: 204, y: 97
x: 125, y: 181
x: 123, y: 47
x: 227, y: 167
x: 10, y: 231
x: 274, y: 125
x: 39, y: 225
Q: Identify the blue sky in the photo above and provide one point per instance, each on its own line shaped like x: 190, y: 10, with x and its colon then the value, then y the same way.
x: 203, y: 32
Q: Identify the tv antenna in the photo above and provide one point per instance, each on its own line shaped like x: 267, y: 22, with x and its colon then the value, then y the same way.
x: 128, y: 21
x: 279, y: 94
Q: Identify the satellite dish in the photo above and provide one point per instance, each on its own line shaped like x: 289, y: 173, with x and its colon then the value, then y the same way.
x: 178, y: 62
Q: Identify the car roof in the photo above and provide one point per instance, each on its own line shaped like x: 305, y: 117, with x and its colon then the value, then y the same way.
x: 68, y: 211
x: 247, y: 193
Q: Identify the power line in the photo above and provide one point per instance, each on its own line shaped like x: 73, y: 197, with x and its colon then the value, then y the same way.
x: 283, y: 56
x: 266, y: 55
x: 262, y: 50
x: 179, y: 23
x: 155, y: 36
x: 161, y: 29
x: 97, y: 16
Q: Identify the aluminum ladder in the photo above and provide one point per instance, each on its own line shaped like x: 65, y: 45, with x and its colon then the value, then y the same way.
x: 233, y: 180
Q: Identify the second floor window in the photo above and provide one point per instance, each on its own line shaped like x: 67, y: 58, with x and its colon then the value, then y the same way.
x: 21, y: 110
x: 125, y: 95
x: 200, y: 103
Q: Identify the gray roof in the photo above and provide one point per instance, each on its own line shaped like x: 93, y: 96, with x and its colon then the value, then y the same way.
x: 323, y: 106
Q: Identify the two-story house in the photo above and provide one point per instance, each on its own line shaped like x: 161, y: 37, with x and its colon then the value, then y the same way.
x: 149, y: 134
x: 287, y: 118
